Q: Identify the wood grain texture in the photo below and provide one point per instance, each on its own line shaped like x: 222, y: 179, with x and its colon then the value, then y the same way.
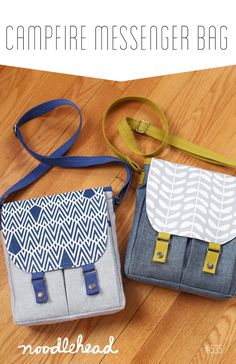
x: 158, y: 325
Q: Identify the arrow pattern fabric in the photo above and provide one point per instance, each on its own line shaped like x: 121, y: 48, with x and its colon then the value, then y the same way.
x: 57, y: 231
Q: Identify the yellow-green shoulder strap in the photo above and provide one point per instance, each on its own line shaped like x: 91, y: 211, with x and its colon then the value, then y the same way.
x: 127, y: 132
x: 128, y: 126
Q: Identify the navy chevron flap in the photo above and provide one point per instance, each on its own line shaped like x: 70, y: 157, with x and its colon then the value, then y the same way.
x: 57, y: 231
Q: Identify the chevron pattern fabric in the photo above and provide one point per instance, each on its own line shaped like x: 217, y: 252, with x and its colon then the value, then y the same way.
x: 57, y: 231
x: 192, y: 202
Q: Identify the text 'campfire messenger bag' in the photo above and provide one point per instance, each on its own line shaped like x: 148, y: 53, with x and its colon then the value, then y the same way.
x: 184, y: 229
x: 61, y: 250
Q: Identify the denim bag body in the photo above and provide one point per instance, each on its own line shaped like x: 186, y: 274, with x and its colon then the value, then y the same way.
x: 184, y: 227
x: 61, y: 250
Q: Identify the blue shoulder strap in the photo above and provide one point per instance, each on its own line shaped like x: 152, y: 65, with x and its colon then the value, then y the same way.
x: 58, y: 158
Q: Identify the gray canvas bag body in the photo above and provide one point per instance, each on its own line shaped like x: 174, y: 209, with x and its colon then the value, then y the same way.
x: 176, y: 224
x: 184, y: 229
x: 61, y: 250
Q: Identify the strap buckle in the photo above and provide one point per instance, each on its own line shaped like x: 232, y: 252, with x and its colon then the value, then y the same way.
x: 142, y: 126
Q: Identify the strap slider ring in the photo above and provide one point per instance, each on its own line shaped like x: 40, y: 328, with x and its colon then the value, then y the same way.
x: 14, y: 129
x: 142, y: 126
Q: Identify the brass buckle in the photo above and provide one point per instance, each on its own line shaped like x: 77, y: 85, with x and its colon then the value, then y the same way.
x: 142, y: 131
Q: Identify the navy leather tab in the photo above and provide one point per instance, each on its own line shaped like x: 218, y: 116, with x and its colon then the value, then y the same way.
x: 91, y: 279
x: 39, y: 284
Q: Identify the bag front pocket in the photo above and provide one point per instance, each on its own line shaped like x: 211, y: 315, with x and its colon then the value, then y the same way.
x: 222, y: 280
x: 111, y: 297
x: 26, y: 311
x: 141, y: 263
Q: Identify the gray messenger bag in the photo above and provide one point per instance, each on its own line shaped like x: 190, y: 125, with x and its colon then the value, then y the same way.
x: 184, y: 229
x: 61, y: 250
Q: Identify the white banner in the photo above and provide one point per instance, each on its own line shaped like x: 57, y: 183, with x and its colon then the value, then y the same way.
x: 120, y: 40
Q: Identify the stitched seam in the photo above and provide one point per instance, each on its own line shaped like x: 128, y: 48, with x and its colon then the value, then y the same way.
x: 81, y: 315
x: 9, y: 273
x: 185, y: 285
x: 132, y: 247
x: 115, y: 256
x: 66, y: 295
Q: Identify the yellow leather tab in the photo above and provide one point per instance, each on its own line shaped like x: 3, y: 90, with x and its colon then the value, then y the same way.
x: 212, y: 257
x: 163, y: 236
x: 161, y: 249
x: 147, y: 160
x: 214, y: 246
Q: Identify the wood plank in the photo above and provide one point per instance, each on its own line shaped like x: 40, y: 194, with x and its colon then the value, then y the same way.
x: 158, y: 325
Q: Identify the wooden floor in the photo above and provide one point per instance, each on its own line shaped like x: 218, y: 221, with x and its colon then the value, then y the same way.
x: 158, y: 325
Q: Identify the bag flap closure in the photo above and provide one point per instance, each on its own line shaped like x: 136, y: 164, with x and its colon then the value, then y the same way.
x: 57, y: 231
x: 192, y: 202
